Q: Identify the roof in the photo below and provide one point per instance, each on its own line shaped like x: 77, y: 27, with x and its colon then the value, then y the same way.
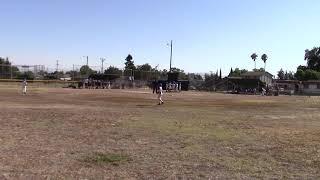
x: 286, y: 81
x: 256, y: 73
x: 311, y: 81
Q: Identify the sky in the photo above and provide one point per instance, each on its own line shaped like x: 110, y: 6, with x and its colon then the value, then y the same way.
x: 207, y: 34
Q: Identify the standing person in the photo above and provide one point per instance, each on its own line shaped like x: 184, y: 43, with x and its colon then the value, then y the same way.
x: 24, y: 87
x: 160, y: 93
x: 154, y: 87
x: 109, y: 85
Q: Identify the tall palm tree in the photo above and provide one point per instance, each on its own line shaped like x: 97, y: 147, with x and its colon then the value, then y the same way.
x: 264, y: 58
x: 254, y: 57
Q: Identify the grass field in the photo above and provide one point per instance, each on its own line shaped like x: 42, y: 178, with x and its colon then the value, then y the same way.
x: 123, y: 134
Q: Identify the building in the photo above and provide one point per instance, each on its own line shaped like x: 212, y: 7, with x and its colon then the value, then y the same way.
x: 310, y: 87
x: 251, y: 80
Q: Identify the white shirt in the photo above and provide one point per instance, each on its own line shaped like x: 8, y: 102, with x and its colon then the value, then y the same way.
x: 160, y: 90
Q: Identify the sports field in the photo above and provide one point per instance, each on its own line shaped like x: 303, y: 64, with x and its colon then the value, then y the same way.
x: 122, y: 134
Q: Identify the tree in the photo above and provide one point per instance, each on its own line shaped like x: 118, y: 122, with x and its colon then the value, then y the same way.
x: 26, y: 75
x: 129, y: 64
x: 197, y: 77
x: 313, y: 58
x: 300, y: 74
x: 231, y: 72
x: 144, y: 67
x: 182, y: 74
x: 264, y: 58
x: 86, y: 70
x: 254, y: 57
x: 113, y: 70
x: 237, y: 72
x: 311, y: 75
x: 220, y: 75
x: 303, y: 68
x: 143, y: 72
x: 281, y: 74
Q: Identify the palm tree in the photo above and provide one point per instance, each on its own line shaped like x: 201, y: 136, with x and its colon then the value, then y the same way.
x: 254, y: 57
x: 264, y: 58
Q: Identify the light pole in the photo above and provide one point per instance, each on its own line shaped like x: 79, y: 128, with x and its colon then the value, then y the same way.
x: 87, y: 73
x: 170, y: 55
x: 102, y: 61
x: 87, y: 57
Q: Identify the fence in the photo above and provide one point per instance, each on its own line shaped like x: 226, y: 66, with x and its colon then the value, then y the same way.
x: 77, y: 72
x: 20, y: 71
x: 136, y: 78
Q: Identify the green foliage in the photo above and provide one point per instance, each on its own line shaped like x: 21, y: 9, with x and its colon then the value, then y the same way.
x: 231, y: 72
x: 182, y: 74
x: 197, y: 77
x: 144, y: 67
x: 237, y: 72
x: 210, y: 81
x: 289, y: 76
x: 113, y: 70
x: 6, y: 70
x: 281, y: 74
x: 102, y: 158
x: 143, y: 72
x: 300, y: 75
x: 129, y: 64
x: 259, y: 70
x: 26, y: 75
x: 264, y: 58
x: 254, y: 56
x: 308, y: 74
x: 86, y: 70
x: 313, y: 58
x: 311, y: 75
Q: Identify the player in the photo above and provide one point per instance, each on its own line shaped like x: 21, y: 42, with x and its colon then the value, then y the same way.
x: 160, y: 93
x: 24, y: 87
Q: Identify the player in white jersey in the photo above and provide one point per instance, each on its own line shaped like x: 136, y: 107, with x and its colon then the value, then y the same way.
x: 24, y: 87
x: 160, y: 93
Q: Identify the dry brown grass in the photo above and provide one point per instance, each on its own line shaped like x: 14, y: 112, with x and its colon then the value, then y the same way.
x: 103, y: 134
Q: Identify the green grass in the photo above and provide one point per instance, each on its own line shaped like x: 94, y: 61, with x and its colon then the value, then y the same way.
x: 106, y: 158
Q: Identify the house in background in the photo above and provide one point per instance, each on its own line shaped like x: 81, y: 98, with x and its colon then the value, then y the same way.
x: 311, y: 87
x: 251, y: 80
x: 264, y: 77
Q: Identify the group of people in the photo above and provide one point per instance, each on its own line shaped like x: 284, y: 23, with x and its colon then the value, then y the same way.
x: 173, y: 86
x: 96, y: 84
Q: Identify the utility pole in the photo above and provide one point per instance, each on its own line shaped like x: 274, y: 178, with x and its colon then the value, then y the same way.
x: 57, y: 66
x: 57, y: 70
x: 72, y: 72
x: 171, y: 56
x: 102, y: 61
x: 87, y: 60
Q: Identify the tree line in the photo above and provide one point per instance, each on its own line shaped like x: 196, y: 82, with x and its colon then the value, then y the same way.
x: 310, y: 71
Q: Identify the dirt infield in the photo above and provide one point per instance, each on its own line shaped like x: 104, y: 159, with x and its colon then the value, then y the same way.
x: 123, y: 134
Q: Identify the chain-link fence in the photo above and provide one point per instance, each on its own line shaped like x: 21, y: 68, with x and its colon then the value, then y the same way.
x: 21, y: 71
x: 119, y: 77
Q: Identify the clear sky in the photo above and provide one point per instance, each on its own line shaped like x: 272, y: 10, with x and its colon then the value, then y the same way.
x: 207, y: 34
